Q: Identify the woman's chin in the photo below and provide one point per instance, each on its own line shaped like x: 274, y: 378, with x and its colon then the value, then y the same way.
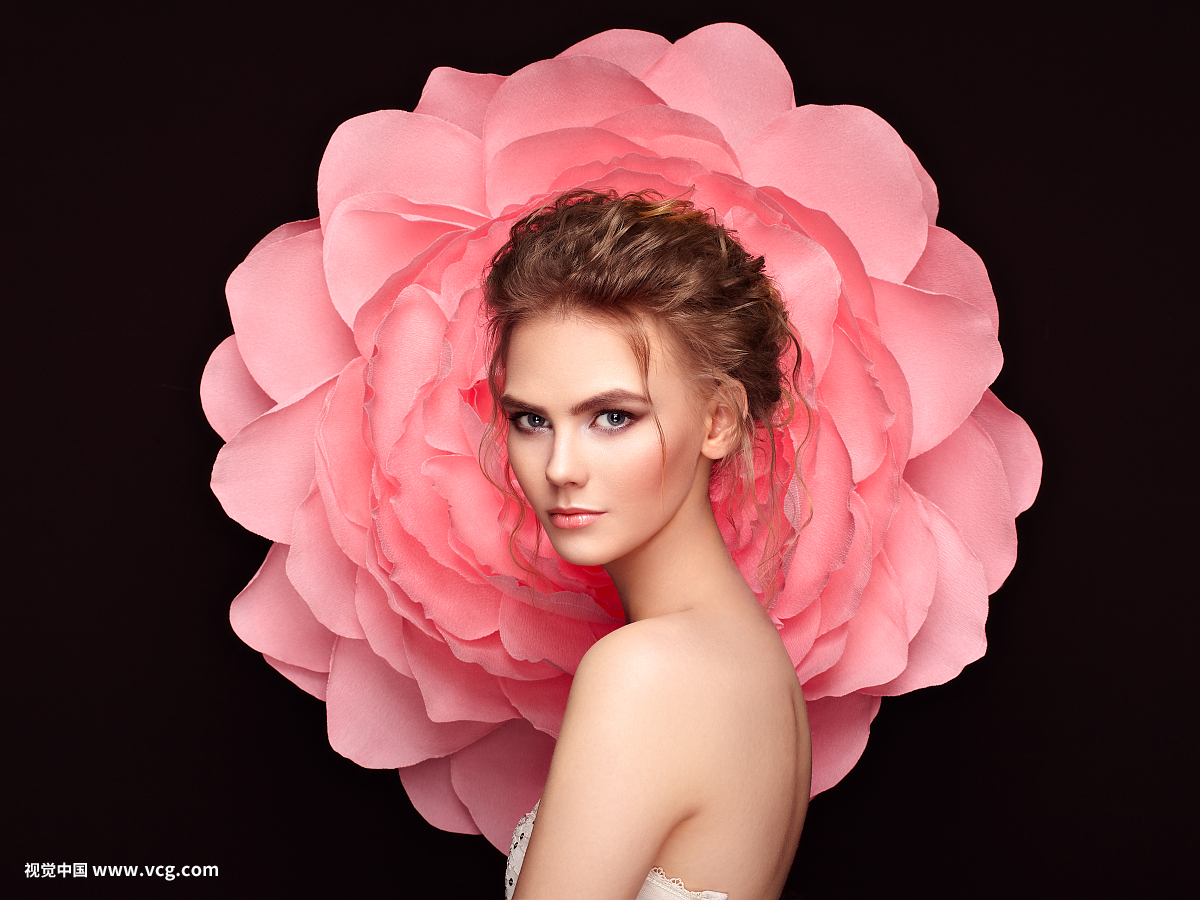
x: 577, y: 557
x: 578, y: 552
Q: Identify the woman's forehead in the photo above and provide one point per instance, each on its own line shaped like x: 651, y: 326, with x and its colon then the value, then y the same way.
x: 585, y: 354
x: 569, y: 349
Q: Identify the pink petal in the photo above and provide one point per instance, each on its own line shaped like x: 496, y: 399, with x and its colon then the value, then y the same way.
x: 453, y: 690
x: 422, y: 272
x: 895, y: 389
x: 911, y: 550
x: 843, y: 591
x: 344, y: 461
x: 856, y: 286
x: 824, y: 653
x: 806, y: 277
x: 447, y: 590
x: 410, y: 347
x: 840, y: 600
x: 489, y: 653
x: 474, y: 508
x: 1017, y: 446
x: 420, y: 507
x: 537, y: 633
x: 266, y: 471
x: 964, y: 477
x: 528, y: 167
x: 876, y: 645
x: 377, y: 717
x: 732, y: 200
x: 383, y: 611
x: 371, y: 236
x: 634, y: 171
x: 953, y: 632
x: 612, y: 176
x: 541, y: 703
x: 320, y: 571
x: 500, y: 777
x: 929, y: 192
x: 857, y: 406
x: 458, y: 97
x: 823, y: 544
x: 851, y: 164
x: 727, y: 74
x: 948, y: 266
x: 555, y: 94
x: 671, y: 132
x: 422, y: 158
x: 289, y: 334
x: 880, y: 491
x: 284, y: 231
x: 429, y: 788
x: 457, y: 281
x: 315, y: 683
x: 947, y: 350
x: 272, y: 618
x: 228, y: 392
x: 840, y: 727
x: 799, y: 633
x: 634, y: 51
x: 452, y: 426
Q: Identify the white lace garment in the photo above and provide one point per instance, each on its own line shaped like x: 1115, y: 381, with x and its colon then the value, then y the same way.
x: 657, y: 886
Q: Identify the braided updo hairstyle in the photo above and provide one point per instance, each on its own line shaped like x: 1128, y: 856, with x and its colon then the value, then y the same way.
x: 624, y: 258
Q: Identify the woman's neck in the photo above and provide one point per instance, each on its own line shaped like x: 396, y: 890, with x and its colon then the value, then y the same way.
x: 684, y: 566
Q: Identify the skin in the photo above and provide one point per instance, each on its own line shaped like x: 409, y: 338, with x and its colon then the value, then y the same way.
x: 685, y: 743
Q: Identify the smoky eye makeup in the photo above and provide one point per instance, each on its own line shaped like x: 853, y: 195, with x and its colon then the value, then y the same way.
x: 610, y: 420
x: 527, y: 422
x: 614, y: 419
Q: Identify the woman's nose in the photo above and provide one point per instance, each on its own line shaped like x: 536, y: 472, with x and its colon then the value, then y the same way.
x: 566, y: 464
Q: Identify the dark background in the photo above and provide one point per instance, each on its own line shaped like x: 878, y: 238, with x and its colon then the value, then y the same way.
x: 147, y: 148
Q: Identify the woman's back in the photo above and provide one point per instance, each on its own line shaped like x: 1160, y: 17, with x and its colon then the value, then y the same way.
x: 685, y: 747
x: 752, y: 770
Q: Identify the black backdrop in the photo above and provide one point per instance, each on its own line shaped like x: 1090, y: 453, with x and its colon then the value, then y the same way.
x: 148, y: 148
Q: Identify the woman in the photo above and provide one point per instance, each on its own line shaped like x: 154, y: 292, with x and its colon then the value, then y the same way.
x: 640, y: 353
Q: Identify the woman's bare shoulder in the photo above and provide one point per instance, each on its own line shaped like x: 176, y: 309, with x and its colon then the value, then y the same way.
x: 667, y: 653
x: 678, y: 671
x: 655, y: 740
x: 631, y: 668
x: 618, y: 769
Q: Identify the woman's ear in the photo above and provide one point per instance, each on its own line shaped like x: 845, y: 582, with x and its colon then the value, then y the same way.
x: 725, y: 412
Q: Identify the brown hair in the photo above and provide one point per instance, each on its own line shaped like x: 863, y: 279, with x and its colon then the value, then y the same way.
x: 626, y: 257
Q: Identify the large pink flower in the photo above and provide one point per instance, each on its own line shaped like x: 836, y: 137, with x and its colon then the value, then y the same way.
x: 353, y: 398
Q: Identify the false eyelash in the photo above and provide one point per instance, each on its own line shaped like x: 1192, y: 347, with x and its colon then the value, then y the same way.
x: 630, y: 419
x: 514, y: 420
x: 514, y: 417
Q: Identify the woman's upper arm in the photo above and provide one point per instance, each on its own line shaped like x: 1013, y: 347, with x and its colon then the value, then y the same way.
x: 619, y: 781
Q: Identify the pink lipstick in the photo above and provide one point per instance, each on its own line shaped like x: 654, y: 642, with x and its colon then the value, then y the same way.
x: 573, y: 517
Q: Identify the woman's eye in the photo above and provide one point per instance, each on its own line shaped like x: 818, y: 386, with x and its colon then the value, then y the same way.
x: 614, y: 419
x: 529, y: 421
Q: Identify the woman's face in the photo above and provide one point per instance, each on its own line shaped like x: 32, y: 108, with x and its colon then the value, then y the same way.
x: 582, y: 438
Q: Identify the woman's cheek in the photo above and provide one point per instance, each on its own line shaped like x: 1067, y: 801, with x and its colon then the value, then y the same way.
x: 522, y: 459
x: 636, y: 467
x: 644, y: 480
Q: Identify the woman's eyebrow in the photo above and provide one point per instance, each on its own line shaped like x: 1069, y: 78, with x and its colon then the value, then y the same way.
x: 600, y: 401
x: 512, y: 404
x: 615, y: 397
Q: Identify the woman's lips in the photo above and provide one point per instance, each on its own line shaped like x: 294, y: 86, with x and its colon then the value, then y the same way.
x: 573, y: 518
